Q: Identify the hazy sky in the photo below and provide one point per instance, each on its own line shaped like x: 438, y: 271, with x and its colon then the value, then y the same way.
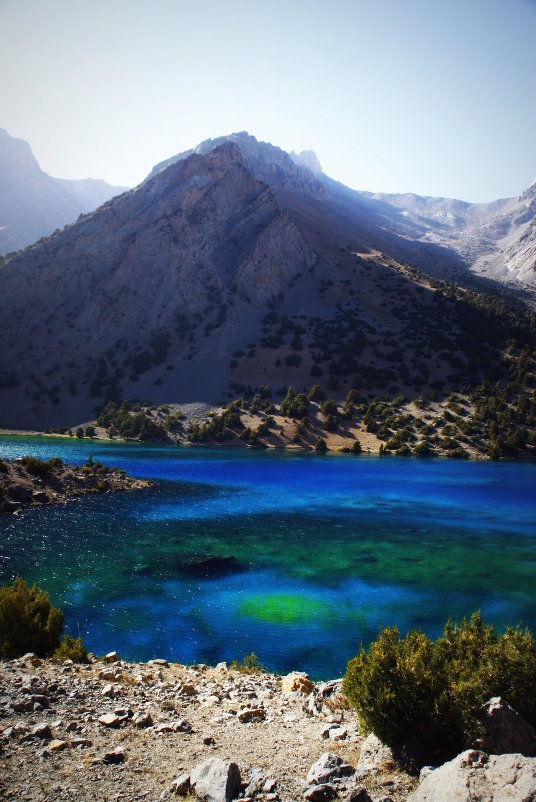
x: 432, y: 96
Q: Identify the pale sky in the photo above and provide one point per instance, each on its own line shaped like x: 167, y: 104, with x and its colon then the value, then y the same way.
x: 436, y: 97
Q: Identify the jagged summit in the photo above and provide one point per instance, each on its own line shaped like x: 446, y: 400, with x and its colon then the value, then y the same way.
x: 307, y: 158
x: 266, y: 161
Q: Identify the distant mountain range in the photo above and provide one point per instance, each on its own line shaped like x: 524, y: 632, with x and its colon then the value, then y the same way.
x: 496, y: 240
x: 236, y: 264
x: 32, y: 203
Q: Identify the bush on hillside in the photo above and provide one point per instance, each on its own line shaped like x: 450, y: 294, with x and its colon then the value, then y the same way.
x: 41, y: 467
x: 28, y: 621
x: 71, y: 649
x: 250, y: 664
x: 412, y: 689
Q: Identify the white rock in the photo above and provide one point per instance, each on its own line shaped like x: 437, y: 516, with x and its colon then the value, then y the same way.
x: 216, y: 780
x: 474, y: 776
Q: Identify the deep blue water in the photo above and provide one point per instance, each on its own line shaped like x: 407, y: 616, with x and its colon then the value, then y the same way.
x: 326, y: 550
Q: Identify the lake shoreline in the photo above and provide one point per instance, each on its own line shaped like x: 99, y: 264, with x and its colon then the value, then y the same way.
x: 237, y: 445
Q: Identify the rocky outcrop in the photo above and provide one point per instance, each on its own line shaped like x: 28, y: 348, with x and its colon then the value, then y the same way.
x: 475, y: 776
x: 32, y: 482
x: 505, y: 730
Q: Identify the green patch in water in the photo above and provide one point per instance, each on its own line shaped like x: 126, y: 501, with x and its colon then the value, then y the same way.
x: 285, y: 608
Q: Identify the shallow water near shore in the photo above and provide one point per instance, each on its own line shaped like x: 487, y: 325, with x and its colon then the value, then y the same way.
x: 325, y: 550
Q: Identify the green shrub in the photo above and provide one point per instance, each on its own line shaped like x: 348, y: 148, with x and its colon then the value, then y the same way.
x: 41, y: 467
x: 71, y: 649
x: 294, y: 405
x: 28, y: 621
x: 321, y: 446
x: 316, y: 393
x: 413, y: 689
x: 250, y: 664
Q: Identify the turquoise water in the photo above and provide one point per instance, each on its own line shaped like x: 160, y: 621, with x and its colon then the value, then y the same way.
x: 325, y: 550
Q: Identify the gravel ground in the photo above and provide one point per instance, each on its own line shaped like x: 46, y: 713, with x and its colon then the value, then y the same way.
x: 164, y: 720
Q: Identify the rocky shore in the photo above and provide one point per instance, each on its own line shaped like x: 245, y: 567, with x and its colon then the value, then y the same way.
x: 116, y: 731
x: 32, y: 482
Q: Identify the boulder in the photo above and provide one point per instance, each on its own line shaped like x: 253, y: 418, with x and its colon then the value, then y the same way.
x: 182, y: 725
x: 374, y: 751
x: 113, y: 758
x: 320, y: 793
x: 475, y: 776
x: 142, y: 719
x: 32, y: 658
x: 111, y: 657
x: 359, y: 794
x: 56, y: 745
x: 331, y: 688
x: 80, y: 743
x: 251, y: 714
x: 297, y: 681
x: 181, y: 786
x: 338, y: 734
x: 41, y: 731
x: 328, y: 767
x: 110, y: 720
x: 216, y: 780
x: 505, y: 731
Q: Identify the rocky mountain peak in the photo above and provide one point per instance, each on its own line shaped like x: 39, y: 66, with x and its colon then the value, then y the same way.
x: 529, y: 194
x: 307, y: 158
x: 266, y: 162
x: 16, y: 157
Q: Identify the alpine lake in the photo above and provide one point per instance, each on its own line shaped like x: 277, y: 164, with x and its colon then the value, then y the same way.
x: 295, y: 557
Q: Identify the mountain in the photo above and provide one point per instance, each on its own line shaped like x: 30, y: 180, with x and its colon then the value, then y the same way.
x: 235, y: 265
x: 32, y: 203
x: 496, y: 240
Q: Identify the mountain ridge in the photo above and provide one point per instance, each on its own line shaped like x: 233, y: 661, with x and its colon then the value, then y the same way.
x: 231, y: 267
x: 32, y: 203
